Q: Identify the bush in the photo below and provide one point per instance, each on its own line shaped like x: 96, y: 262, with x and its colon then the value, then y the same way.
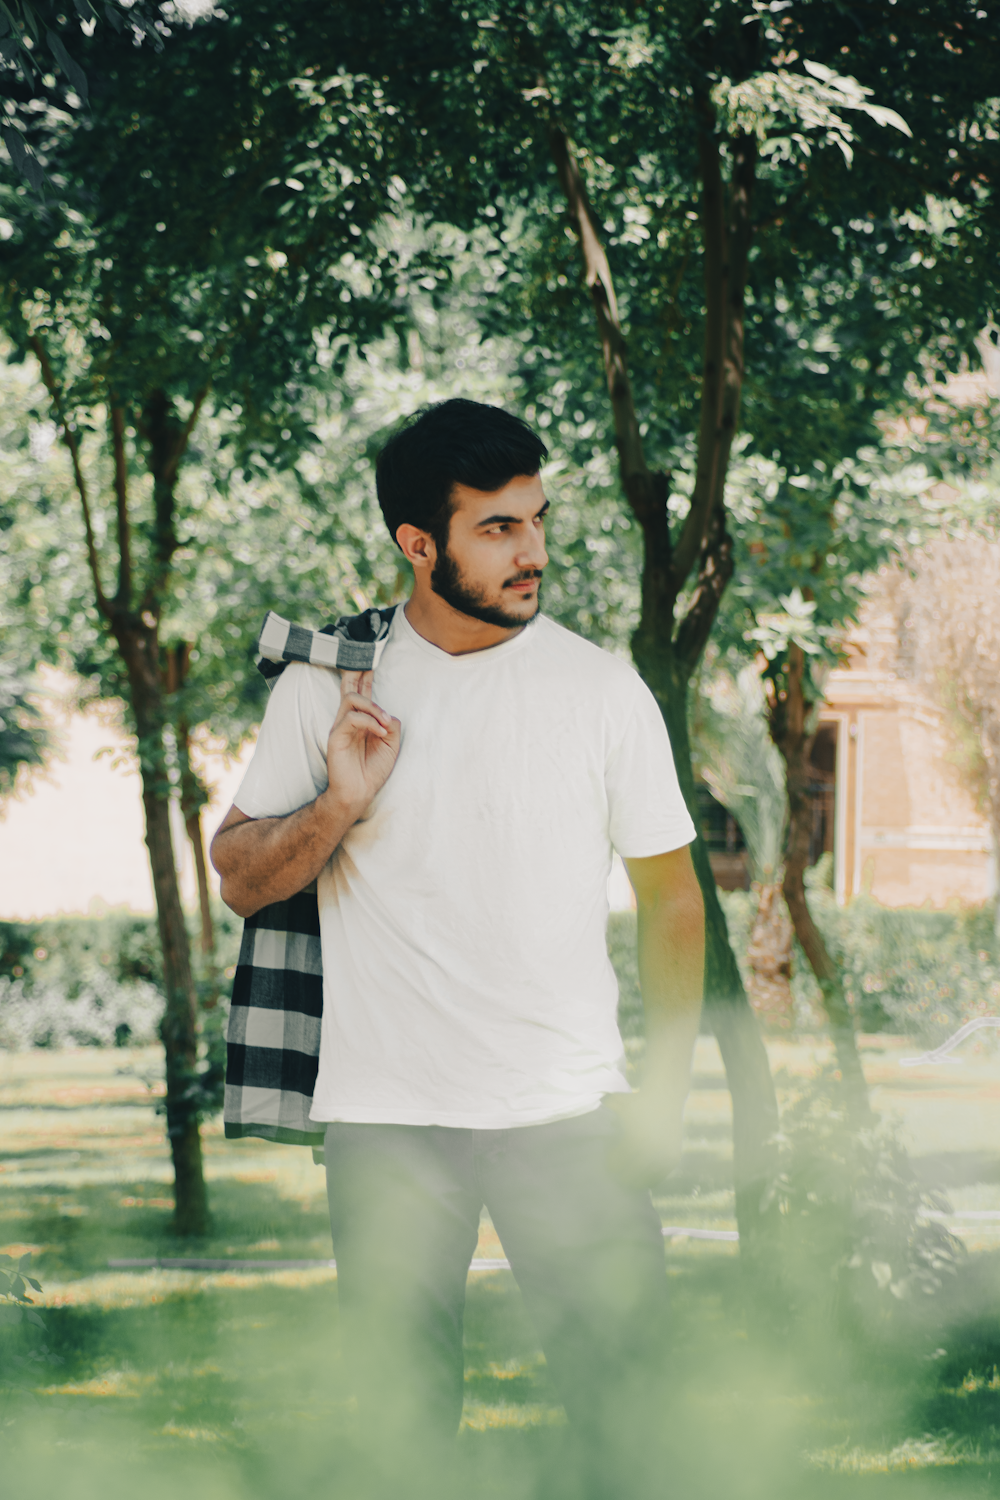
x: 864, y: 1248
x: 65, y: 953
x: 91, y: 981
x: 103, y: 1014
x: 915, y: 971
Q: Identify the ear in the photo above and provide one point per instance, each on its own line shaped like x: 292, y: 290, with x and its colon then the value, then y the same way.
x: 416, y: 546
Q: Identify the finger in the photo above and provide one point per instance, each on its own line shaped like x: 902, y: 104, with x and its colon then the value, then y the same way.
x: 366, y: 723
x: 359, y: 701
x: 349, y: 683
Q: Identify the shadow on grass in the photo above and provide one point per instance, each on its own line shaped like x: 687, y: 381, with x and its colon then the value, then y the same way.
x: 79, y: 1228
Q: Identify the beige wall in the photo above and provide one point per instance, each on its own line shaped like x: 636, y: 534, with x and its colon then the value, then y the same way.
x: 907, y: 829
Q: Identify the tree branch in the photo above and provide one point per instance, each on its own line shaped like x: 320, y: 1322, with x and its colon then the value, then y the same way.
x: 636, y: 476
x: 714, y: 572
x: 715, y: 565
x: 168, y: 442
x: 184, y: 435
x: 70, y: 439
x: 713, y: 223
x: 124, y: 594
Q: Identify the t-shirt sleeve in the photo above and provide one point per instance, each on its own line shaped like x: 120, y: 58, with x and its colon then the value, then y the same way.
x: 648, y: 814
x: 288, y: 768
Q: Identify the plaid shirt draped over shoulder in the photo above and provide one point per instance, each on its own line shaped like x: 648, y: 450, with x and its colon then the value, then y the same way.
x: 272, y: 1043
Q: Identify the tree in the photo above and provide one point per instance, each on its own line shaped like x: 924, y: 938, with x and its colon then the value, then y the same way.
x: 35, y: 63
x: 186, y: 257
x: 764, y: 243
x: 819, y: 541
x: 24, y: 739
x: 736, y: 757
x: 703, y: 168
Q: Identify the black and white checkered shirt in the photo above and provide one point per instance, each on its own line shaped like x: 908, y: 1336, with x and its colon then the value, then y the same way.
x: 277, y: 1007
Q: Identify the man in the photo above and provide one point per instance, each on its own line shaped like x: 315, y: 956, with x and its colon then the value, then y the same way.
x: 459, y: 812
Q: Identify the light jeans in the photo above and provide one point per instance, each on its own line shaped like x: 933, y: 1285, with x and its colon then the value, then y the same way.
x: 587, y: 1254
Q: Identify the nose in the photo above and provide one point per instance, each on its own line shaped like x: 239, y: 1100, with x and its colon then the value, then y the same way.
x: 533, y: 553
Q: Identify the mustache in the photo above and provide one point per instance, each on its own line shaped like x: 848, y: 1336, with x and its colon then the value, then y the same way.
x: 524, y: 577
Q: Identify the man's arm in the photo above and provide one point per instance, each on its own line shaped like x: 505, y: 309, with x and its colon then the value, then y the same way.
x: 671, y: 942
x: 261, y: 860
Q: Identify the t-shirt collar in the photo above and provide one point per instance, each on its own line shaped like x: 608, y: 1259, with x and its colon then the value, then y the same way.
x: 404, y: 630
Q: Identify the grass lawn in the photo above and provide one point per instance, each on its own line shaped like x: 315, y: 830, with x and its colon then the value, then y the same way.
x: 228, y: 1383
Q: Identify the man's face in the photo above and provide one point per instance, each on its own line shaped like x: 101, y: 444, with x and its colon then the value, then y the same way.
x: 492, y: 566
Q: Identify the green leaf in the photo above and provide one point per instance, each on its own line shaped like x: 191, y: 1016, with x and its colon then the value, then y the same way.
x: 24, y: 161
x: 71, y: 68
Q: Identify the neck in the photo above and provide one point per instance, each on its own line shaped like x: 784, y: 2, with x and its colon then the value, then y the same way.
x: 450, y: 630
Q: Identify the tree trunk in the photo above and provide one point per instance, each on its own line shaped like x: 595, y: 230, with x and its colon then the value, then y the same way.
x: 789, y: 728
x: 666, y: 661
x: 193, y: 799
x: 192, y: 825
x: 177, y: 659
x: 135, y: 629
x: 727, y: 1009
x: 178, y: 1029
x: 769, y: 955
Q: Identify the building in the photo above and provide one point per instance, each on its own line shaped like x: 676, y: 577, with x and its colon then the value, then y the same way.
x: 889, y: 801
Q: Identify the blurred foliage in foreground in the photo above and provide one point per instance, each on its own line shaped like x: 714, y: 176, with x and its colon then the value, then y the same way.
x: 229, y: 1385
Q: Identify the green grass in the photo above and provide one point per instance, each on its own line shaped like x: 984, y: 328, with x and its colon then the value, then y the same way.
x: 230, y: 1385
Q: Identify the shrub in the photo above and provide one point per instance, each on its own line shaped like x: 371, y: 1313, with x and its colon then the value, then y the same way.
x: 104, y: 1013
x: 916, y: 971
x: 94, y: 981
x: 920, y: 972
x: 23, y: 1360
x: 864, y: 1248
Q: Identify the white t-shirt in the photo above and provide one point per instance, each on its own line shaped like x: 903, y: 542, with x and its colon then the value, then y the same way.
x: 466, y: 980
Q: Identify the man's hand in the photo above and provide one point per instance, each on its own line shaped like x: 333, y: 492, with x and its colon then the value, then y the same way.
x: 648, y: 1145
x: 263, y: 860
x: 362, y: 747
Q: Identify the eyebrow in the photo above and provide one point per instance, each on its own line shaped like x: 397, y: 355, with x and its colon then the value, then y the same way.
x: 512, y: 520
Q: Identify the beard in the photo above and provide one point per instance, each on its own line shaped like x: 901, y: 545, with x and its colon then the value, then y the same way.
x: 449, y: 584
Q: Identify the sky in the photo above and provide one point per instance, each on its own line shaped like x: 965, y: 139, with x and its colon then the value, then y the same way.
x: 72, y: 840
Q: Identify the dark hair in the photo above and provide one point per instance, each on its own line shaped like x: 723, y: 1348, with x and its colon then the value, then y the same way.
x: 455, y: 442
